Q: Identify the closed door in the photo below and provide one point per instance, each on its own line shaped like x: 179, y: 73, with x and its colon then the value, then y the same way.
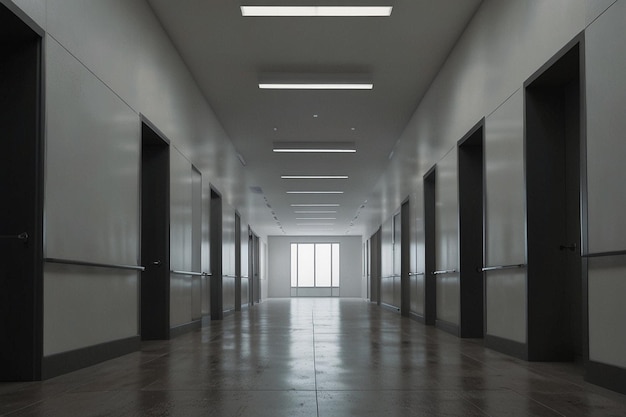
x: 21, y: 204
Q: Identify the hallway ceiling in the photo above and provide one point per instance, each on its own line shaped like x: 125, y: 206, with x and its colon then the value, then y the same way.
x: 228, y: 54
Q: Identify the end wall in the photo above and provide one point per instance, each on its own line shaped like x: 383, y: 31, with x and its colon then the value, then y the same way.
x: 279, y: 259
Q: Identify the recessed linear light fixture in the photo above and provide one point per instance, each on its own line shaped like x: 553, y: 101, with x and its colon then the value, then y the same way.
x: 315, y: 211
x: 316, y: 218
x: 314, y: 147
x: 314, y: 192
x: 315, y: 205
x: 316, y: 86
x: 314, y: 177
x: 315, y: 224
x: 315, y: 81
x: 316, y: 11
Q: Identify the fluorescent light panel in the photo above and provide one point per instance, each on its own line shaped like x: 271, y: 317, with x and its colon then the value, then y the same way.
x: 315, y: 211
x: 314, y: 192
x: 315, y: 86
x: 315, y: 224
x: 314, y: 177
x: 316, y: 11
x: 315, y: 205
x: 314, y: 147
x: 316, y: 218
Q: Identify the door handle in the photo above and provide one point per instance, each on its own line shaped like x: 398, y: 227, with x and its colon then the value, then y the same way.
x: 157, y: 263
x: 22, y: 236
x: 571, y: 247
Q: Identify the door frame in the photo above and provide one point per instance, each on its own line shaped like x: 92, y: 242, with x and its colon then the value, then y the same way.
x: 530, y: 350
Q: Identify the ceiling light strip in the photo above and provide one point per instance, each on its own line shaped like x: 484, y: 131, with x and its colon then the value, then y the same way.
x: 314, y: 177
x: 315, y: 211
x: 314, y: 192
x: 316, y: 11
x: 316, y: 218
x: 313, y: 150
x: 316, y: 86
x: 316, y: 205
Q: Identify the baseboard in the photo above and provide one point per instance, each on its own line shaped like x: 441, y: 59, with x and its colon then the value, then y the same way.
x: 63, y: 363
x: 390, y: 308
x: 506, y: 346
x: 607, y: 376
x: 417, y: 317
x: 185, y: 328
x: 447, y: 327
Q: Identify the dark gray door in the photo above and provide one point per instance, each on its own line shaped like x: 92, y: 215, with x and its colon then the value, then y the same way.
x: 471, y: 214
x: 553, y: 137
x: 21, y: 206
x: 155, y: 235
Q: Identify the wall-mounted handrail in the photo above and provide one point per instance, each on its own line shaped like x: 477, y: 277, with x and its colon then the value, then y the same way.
x: 194, y: 274
x: 94, y: 264
x: 414, y: 274
x: 22, y: 236
x: 445, y: 271
x: 501, y: 267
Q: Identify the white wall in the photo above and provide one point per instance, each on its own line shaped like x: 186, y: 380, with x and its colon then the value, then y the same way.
x: 279, y: 263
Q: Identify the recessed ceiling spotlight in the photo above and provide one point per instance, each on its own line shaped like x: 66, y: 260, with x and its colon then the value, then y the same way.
x: 353, y: 128
x: 315, y: 116
x: 275, y: 129
x: 316, y: 11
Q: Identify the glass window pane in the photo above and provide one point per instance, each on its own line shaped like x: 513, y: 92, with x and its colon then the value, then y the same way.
x: 306, y: 265
x: 322, y: 265
x: 335, y: 264
x: 294, y: 264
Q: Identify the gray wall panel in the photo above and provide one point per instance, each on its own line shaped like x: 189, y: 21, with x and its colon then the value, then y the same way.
x: 607, y: 310
x: 196, y: 244
x: 505, y: 304
x: 86, y: 306
x: 447, y: 237
x: 505, y: 220
x: 92, y: 167
x: 181, y: 218
x: 606, y: 148
x: 448, y: 296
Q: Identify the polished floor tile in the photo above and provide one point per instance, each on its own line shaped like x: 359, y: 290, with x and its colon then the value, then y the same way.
x: 315, y: 358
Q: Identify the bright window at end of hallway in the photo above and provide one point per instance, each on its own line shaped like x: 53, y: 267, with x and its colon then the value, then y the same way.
x: 315, y: 265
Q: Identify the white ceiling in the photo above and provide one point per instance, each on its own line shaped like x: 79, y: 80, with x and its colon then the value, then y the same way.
x: 227, y: 53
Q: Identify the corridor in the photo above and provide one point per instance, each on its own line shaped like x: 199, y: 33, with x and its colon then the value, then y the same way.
x: 314, y: 357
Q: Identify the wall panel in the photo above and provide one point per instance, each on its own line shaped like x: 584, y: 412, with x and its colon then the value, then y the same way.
x: 447, y: 237
x: 606, y: 148
x: 92, y: 166
x: 181, y: 219
x: 86, y: 306
x: 607, y: 310
x: 505, y: 220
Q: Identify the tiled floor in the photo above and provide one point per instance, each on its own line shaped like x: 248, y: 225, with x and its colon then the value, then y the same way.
x: 315, y: 357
